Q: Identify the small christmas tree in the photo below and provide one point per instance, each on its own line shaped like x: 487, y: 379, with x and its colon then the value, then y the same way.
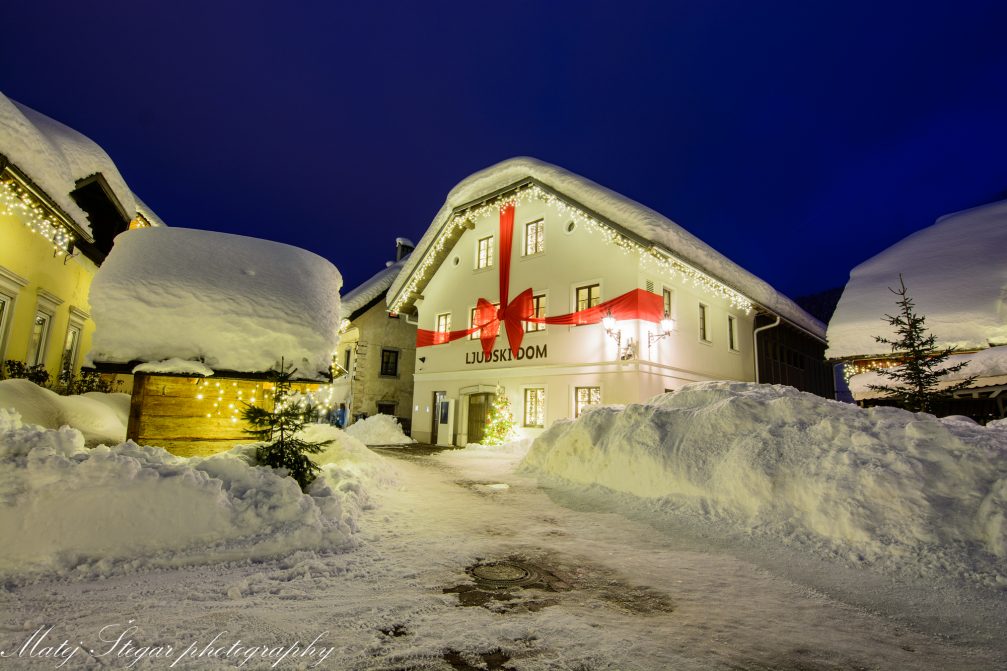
x: 919, y: 375
x: 277, y: 428
x: 500, y: 422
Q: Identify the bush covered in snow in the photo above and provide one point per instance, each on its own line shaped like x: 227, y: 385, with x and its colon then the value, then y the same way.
x: 881, y: 485
x: 85, y: 511
x: 379, y: 430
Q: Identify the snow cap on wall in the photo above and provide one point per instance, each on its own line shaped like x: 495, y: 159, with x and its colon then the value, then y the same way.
x: 233, y: 302
x: 956, y: 273
x: 621, y: 210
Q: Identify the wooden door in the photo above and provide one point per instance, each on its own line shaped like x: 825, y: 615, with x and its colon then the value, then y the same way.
x: 479, y: 406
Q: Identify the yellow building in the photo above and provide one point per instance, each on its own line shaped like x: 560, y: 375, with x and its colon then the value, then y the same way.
x: 62, y: 202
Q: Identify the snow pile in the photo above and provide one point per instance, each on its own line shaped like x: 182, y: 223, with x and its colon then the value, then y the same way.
x: 379, y: 430
x: 233, y: 302
x: 956, y: 272
x: 101, y: 418
x: 628, y: 213
x: 175, y: 365
x: 988, y: 365
x: 881, y: 485
x: 79, y: 511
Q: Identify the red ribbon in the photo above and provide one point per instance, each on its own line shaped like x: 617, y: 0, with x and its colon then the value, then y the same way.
x: 635, y: 304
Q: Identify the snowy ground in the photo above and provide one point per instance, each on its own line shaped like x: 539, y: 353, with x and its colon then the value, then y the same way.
x: 619, y: 592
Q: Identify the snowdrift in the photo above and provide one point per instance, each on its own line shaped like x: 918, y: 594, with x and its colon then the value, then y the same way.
x: 379, y: 430
x: 101, y: 418
x: 880, y: 485
x: 86, y: 512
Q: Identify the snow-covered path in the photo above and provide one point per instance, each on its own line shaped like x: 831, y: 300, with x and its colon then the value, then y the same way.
x: 622, y: 596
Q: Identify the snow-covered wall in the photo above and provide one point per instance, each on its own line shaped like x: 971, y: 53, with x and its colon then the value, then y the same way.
x: 956, y: 272
x: 234, y: 302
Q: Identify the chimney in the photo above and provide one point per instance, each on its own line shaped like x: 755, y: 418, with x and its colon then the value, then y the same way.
x: 403, y: 247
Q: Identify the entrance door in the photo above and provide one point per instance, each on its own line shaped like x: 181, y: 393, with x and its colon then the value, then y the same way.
x: 435, y: 416
x: 479, y: 407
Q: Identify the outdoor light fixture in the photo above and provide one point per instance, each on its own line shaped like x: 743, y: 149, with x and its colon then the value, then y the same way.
x: 612, y: 330
x: 667, y: 326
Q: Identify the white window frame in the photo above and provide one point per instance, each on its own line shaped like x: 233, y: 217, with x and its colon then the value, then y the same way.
x: 482, y: 263
x: 585, y: 285
x: 576, y: 402
x: 535, y: 327
x: 37, y: 349
x: 732, y: 334
x: 437, y: 322
x: 704, y: 324
x: 475, y: 335
x: 540, y: 225
x: 11, y: 285
x: 75, y: 323
x: 524, y: 406
x: 669, y: 312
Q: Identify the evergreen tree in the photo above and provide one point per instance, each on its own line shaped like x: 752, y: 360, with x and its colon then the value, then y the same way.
x: 500, y: 422
x: 277, y: 429
x: 917, y: 379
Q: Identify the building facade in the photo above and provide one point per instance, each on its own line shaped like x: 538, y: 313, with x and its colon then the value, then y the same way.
x: 600, y: 305
x: 62, y: 202
x: 377, y: 351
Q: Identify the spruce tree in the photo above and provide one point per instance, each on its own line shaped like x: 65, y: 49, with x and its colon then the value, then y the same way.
x: 277, y: 428
x: 500, y: 422
x: 917, y: 379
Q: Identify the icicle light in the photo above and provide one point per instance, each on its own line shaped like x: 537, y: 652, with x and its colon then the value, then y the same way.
x: 658, y: 260
x: 17, y: 201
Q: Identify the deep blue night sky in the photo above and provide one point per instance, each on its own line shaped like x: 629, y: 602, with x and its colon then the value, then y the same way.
x: 798, y: 139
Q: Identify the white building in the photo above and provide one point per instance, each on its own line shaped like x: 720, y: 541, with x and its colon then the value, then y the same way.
x: 606, y: 301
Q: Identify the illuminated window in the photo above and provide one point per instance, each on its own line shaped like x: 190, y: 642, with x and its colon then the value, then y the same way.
x: 390, y: 362
x: 534, y: 237
x: 538, y: 311
x: 666, y: 296
x: 732, y: 332
x: 70, y: 348
x: 703, y: 331
x: 588, y: 296
x: 585, y: 396
x: 534, y: 408
x: 444, y: 322
x: 474, y: 320
x: 484, y: 253
x: 37, y: 342
x: 5, y: 308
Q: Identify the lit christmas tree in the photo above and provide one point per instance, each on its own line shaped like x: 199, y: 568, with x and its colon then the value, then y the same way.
x: 500, y: 423
x: 277, y: 429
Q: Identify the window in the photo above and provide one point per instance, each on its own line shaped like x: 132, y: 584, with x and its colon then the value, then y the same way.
x: 666, y: 297
x: 534, y: 237
x: 36, y: 344
x: 588, y: 296
x: 6, y: 302
x: 386, y: 409
x: 703, y: 330
x: 70, y: 347
x: 534, y: 407
x: 585, y: 396
x: 538, y: 311
x: 390, y: 362
x: 484, y: 252
x: 443, y: 323
x: 732, y: 332
x: 474, y: 320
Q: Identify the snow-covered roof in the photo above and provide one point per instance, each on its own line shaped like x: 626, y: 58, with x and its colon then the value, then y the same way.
x: 233, y: 302
x: 374, y: 287
x: 54, y: 156
x: 989, y: 366
x: 634, y: 217
x: 956, y: 273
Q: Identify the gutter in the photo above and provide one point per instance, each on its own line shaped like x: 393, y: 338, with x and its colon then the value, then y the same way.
x: 755, y: 343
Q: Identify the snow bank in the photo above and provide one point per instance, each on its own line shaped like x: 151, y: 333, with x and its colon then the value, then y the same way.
x: 988, y: 365
x: 101, y: 418
x: 880, y: 485
x: 379, y: 430
x: 956, y: 272
x: 233, y: 302
x: 628, y: 213
x: 79, y: 511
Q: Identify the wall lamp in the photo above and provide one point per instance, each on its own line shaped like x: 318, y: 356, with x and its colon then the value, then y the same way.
x: 612, y: 329
x: 667, y: 326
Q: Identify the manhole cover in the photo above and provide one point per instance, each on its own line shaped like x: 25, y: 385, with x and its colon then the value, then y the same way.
x: 503, y: 574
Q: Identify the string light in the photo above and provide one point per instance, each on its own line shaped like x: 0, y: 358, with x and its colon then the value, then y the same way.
x: 17, y: 201
x: 657, y: 259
